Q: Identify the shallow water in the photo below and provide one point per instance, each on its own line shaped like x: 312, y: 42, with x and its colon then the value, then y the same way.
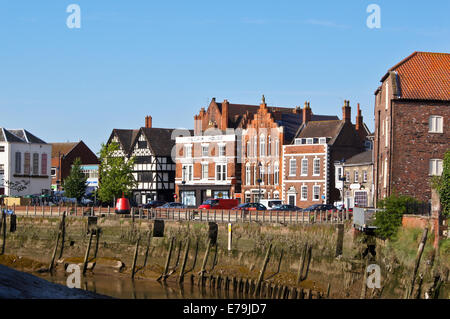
x: 126, y: 288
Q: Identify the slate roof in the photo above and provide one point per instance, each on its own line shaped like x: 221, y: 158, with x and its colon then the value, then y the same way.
x: 327, y: 128
x: 361, y: 158
x: 423, y: 75
x: 19, y: 136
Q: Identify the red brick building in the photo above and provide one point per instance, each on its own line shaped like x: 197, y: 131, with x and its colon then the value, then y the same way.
x: 262, y: 141
x: 63, y: 156
x: 208, y: 164
x: 308, y: 161
x: 412, y: 109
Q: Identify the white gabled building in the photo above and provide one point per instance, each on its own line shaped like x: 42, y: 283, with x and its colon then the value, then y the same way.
x: 24, y: 163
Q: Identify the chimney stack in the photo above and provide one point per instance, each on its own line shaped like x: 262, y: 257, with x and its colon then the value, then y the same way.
x: 306, y: 113
x: 359, y: 126
x: 148, y: 121
x: 224, y: 123
x: 346, y: 112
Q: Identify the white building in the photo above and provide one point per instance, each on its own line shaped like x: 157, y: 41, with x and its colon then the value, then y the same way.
x: 24, y: 163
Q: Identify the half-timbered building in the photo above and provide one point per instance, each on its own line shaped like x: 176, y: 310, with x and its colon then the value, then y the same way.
x: 154, y: 169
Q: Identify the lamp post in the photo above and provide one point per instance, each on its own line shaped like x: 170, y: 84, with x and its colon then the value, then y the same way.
x: 259, y: 180
x: 342, y: 178
x: 183, y: 180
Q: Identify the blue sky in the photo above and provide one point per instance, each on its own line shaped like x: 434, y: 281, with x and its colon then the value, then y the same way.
x: 167, y: 59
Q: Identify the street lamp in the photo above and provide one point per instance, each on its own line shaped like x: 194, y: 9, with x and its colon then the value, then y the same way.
x: 259, y: 180
x: 342, y: 178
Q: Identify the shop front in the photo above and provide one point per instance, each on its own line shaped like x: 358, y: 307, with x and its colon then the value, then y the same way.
x: 195, y: 195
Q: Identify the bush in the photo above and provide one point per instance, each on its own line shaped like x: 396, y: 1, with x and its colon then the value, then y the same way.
x: 389, y: 219
x: 442, y: 184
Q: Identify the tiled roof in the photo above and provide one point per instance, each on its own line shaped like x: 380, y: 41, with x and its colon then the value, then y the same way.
x: 361, y: 158
x: 19, y: 136
x: 62, y: 148
x: 424, y: 75
x: 126, y: 138
x: 160, y: 140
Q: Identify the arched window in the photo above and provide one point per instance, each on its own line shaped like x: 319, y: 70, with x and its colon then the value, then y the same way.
x: 262, y: 145
x: 277, y: 147
x: 269, y: 172
x: 255, y: 145
x: 247, y: 174
x: 269, y: 146
x: 276, y: 174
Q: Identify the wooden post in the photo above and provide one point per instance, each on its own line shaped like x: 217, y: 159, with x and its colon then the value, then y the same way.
x: 51, y: 213
x: 230, y: 236
x: 417, y: 262
x: 42, y: 210
x: 4, y: 231
x: 26, y: 208
x: 136, y: 250
x: 339, y: 239
x: 205, y: 259
x: 97, y: 239
x: 305, y: 258
x: 59, y: 210
x: 149, y: 238
x: 109, y: 211
x: 364, y: 282
x: 328, y: 290
x: 50, y: 268
x: 263, y: 269
x: 86, y: 256
x: 63, y: 233
x: 34, y: 209
x: 183, y: 265
x: 169, y: 255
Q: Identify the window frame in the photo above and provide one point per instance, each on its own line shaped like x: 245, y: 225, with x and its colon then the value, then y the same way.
x: 304, y: 167
x: 433, y: 124
x: 316, y: 160
x: 303, y: 198
x: 292, y: 167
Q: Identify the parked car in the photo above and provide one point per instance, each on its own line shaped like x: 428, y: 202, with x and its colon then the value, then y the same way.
x: 250, y: 206
x: 154, y: 204
x: 173, y: 205
x: 219, y: 203
x: 269, y: 203
x: 286, y: 207
x: 320, y: 207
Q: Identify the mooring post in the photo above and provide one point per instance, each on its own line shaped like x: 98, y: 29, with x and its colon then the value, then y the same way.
x: 136, y: 250
x: 4, y: 231
x: 230, y: 236
x: 339, y: 239
x: 263, y: 270
x: 169, y: 256
x: 86, y: 256
x: 50, y: 268
x: 205, y: 259
x: 417, y: 262
x: 149, y: 239
x: 183, y: 265
x: 98, y: 232
x: 63, y: 233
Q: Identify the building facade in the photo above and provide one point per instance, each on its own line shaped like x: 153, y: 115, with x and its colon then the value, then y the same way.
x: 154, y: 169
x: 412, y: 109
x: 208, y: 159
x: 308, y: 161
x: 358, y: 187
x: 63, y: 156
x: 24, y: 163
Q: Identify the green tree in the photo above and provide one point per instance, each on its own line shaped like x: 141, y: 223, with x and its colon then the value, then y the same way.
x: 442, y: 185
x: 75, y: 183
x: 115, y: 173
x: 389, y: 218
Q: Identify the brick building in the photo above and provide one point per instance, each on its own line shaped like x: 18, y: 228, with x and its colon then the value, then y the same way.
x: 154, y: 169
x: 209, y: 161
x: 358, y: 185
x: 262, y: 141
x: 63, y: 156
x: 412, y: 107
x: 308, y: 161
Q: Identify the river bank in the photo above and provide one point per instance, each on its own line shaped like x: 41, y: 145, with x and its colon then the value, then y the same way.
x: 35, y: 238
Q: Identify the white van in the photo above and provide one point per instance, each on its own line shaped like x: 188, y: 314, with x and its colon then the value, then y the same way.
x: 269, y: 203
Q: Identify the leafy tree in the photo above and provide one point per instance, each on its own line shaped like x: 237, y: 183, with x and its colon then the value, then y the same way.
x: 116, y: 173
x: 442, y: 185
x: 389, y: 219
x: 75, y: 183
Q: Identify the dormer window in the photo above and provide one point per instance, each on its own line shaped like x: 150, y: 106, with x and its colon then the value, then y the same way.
x: 322, y: 140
